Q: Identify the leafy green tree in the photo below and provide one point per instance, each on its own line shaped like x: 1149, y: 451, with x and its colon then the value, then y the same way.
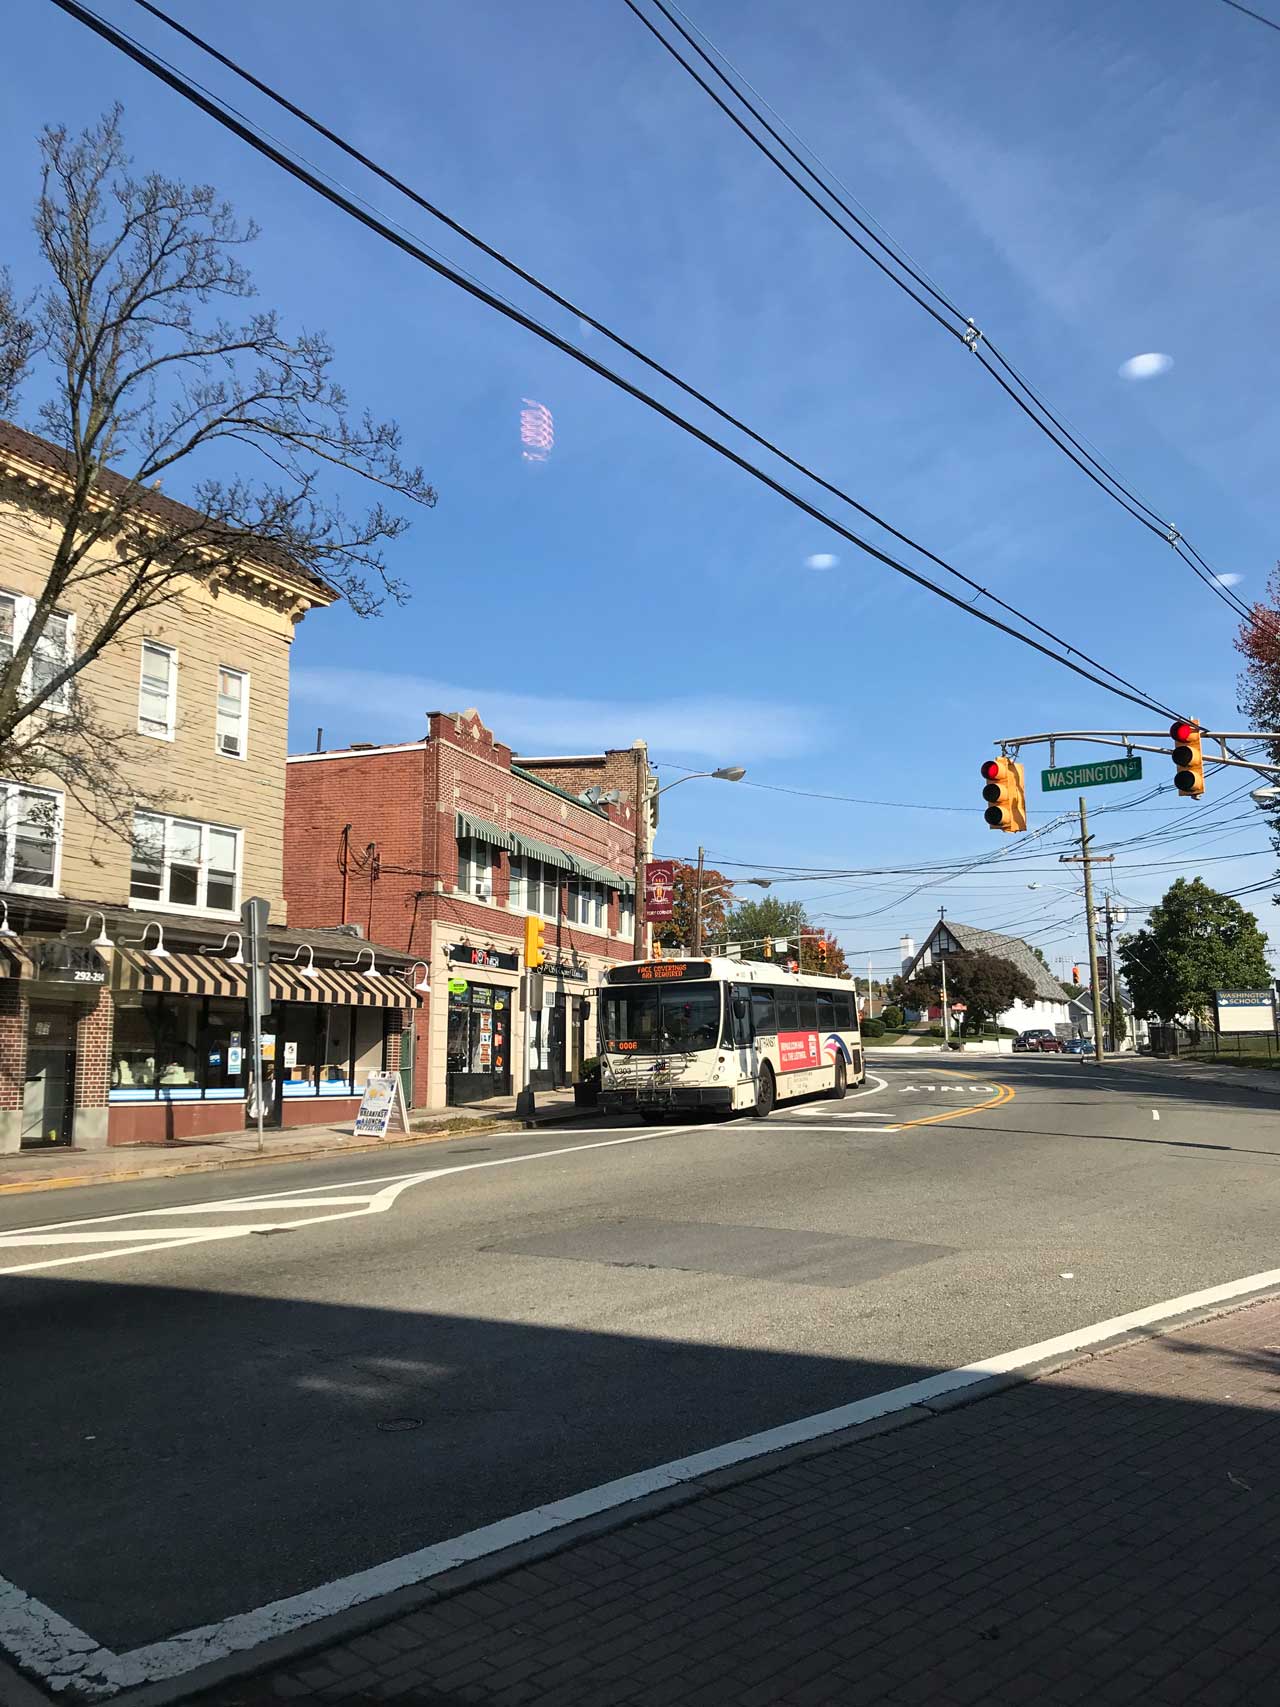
x: 750, y: 922
x: 986, y: 983
x: 892, y: 1017
x: 1196, y: 941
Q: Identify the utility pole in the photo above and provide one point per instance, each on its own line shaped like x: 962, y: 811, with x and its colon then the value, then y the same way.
x: 946, y: 1014
x: 1088, y: 860
x: 642, y: 849
x: 1111, y: 982
x: 697, y: 905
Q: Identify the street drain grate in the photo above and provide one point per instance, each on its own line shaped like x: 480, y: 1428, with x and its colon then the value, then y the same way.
x: 400, y: 1425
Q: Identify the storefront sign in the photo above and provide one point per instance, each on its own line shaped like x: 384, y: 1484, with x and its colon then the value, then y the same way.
x: 457, y: 986
x: 382, y: 1099
x: 659, y: 890
x: 235, y: 1058
x: 291, y: 1054
x: 563, y: 969
x: 69, y: 963
x: 493, y: 959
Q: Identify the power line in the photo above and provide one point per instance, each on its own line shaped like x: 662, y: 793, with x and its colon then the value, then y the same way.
x: 240, y: 127
x: 1256, y: 16
x: 966, y: 332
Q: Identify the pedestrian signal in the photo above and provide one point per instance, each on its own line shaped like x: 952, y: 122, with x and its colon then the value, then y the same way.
x: 1189, y: 762
x: 1005, y: 794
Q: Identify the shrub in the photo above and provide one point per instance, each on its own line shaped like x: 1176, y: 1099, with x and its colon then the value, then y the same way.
x: 873, y: 1028
x: 892, y: 1018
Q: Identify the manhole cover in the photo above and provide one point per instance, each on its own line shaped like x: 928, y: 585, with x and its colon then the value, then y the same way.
x: 398, y: 1425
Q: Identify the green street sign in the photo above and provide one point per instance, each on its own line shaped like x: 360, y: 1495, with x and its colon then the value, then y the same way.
x: 1089, y: 776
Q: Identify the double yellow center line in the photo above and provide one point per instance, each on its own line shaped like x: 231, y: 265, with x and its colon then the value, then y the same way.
x: 1004, y: 1093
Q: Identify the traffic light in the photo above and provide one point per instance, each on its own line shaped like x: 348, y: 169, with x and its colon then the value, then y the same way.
x: 1005, y: 794
x: 767, y: 950
x: 533, y: 933
x: 1075, y: 975
x: 1189, y: 777
x: 823, y: 951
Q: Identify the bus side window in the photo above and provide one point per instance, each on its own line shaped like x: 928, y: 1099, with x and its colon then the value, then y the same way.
x: 788, y: 1011
x: 762, y: 1014
x: 740, y: 1011
x: 826, y: 1010
x: 808, y: 1010
x: 844, y: 1012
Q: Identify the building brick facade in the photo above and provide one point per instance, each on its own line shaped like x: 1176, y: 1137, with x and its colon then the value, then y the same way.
x: 372, y: 837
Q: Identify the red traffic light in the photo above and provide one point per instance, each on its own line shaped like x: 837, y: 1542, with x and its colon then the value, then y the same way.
x: 1181, y: 731
x: 991, y: 769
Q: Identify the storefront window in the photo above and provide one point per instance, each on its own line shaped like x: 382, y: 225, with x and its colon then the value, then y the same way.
x: 223, y: 1047
x: 335, y: 1053
x: 301, y: 1050
x: 367, y: 1049
x: 133, y: 1063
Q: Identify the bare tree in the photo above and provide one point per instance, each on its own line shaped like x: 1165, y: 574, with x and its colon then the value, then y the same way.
x: 143, y: 378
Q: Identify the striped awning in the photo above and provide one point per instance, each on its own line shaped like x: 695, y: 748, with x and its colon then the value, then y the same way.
x: 341, y: 986
x: 602, y: 874
x: 481, y: 830
x: 15, y: 962
x: 531, y: 849
x: 174, y: 974
x: 207, y: 975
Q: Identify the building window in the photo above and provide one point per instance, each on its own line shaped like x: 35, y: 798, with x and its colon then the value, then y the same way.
x: 475, y: 868
x: 30, y: 837
x: 158, y: 691
x: 535, y: 887
x: 626, y: 916
x: 586, y: 903
x: 233, y: 713
x: 54, y: 650
x: 180, y: 863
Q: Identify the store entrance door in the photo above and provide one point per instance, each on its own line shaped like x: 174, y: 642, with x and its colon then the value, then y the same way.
x: 48, y: 1097
x: 568, y: 1037
x: 478, y: 1055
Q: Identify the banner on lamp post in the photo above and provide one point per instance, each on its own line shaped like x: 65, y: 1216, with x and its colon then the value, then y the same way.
x: 659, y: 890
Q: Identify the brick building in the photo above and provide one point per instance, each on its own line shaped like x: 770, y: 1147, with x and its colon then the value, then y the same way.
x: 443, y: 848
x: 123, y: 1011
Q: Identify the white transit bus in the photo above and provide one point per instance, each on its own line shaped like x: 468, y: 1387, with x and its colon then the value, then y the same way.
x: 737, y: 1036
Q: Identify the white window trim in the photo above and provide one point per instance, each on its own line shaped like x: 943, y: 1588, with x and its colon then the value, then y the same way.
x: 243, y: 754
x: 162, y: 906
x: 8, y: 791
x: 171, y: 709
x: 24, y: 608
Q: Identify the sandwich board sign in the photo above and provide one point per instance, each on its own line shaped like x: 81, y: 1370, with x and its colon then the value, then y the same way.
x: 383, y: 1098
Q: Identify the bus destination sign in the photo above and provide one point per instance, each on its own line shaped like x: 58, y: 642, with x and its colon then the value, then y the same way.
x: 660, y: 972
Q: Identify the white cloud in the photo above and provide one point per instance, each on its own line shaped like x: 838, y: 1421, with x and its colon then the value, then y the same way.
x: 821, y: 560
x: 1147, y: 366
x: 1229, y: 580
x: 368, y: 705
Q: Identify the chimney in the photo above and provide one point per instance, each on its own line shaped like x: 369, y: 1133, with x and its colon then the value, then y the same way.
x: 907, y: 949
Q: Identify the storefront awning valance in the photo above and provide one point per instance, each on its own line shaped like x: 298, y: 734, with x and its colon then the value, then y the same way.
x: 527, y: 847
x: 208, y: 975
x: 173, y: 974
x: 602, y: 874
x: 481, y: 830
x: 341, y: 986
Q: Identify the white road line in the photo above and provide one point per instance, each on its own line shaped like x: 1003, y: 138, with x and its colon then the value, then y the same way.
x: 64, y: 1656
x: 378, y: 1204
x: 1155, y: 1114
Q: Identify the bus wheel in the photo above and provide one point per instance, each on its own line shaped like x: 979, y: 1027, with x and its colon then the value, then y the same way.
x: 766, y: 1094
x: 842, y: 1080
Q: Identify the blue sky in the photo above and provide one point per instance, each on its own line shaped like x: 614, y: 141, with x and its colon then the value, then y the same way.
x: 1091, y: 182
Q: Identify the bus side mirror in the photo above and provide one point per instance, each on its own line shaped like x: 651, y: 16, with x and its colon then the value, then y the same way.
x: 739, y: 1007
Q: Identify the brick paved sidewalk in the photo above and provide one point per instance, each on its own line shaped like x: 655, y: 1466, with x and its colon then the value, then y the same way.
x: 1107, y: 1534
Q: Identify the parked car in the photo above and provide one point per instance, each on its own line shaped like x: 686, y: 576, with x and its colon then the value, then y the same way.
x: 1050, y: 1045
x: 1032, y: 1039
x: 1079, y: 1046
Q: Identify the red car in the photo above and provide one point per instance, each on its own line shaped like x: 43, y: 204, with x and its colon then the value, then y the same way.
x: 1042, y: 1042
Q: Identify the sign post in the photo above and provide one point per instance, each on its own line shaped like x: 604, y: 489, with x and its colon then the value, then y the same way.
x: 253, y: 916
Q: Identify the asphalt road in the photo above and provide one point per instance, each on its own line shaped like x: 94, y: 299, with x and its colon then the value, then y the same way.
x: 200, y: 1418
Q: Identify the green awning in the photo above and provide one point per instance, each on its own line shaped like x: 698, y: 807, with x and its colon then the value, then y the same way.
x: 531, y: 849
x: 481, y: 830
x: 602, y: 874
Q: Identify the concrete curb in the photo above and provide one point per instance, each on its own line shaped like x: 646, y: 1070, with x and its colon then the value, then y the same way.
x: 216, y: 1164
x: 357, y: 1620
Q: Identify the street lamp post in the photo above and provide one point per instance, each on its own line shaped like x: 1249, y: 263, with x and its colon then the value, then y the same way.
x: 726, y: 773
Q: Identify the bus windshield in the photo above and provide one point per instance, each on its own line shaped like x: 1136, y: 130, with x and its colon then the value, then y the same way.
x: 651, y: 1021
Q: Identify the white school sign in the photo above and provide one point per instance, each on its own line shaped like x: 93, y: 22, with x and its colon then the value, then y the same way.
x: 1245, y: 1010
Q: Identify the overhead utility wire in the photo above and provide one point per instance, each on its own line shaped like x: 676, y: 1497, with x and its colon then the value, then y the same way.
x: 967, y: 333
x: 219, y: 112
x: 1256, y: 16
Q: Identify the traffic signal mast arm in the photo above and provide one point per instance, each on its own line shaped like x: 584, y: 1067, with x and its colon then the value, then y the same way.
x: 1138, y: 741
